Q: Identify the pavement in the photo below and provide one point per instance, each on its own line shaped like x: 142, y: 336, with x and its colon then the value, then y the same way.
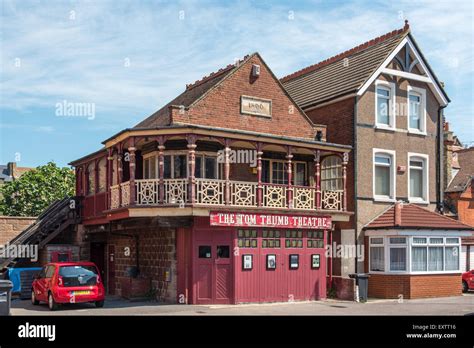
x: 459, y: 305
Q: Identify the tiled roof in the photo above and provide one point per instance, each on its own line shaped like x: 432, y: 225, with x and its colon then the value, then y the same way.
x: 414, y: 216
x: 342, y: 74
x: 466, y: 171
x: 192, y: 93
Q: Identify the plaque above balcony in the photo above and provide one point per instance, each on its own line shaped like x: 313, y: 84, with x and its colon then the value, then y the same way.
x: 255, y: 106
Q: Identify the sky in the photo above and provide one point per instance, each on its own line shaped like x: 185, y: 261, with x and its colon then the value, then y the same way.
x: 74, y: 73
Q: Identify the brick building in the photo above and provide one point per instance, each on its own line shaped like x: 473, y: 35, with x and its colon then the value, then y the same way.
x: 221, y: 196
x: 382, y: 98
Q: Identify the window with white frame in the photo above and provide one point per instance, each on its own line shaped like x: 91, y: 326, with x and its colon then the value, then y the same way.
x: 414, y: 254
x: 384, y: 175
x: 418, y: 177
x: 397, y: 254
x: 416, y: 109
x: 384, y: 103
x: 331, y: 173
x: 377, y: 251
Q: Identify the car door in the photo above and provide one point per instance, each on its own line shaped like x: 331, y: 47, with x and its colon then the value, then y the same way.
x: 40, y: 284
x: 48, y: 280
x: 471, y: 280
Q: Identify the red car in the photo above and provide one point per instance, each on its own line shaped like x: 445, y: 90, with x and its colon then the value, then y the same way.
x: 68, y: 282
x: 468, y: 281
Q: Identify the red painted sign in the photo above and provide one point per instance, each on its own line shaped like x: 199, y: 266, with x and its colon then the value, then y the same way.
x: 269, y: 220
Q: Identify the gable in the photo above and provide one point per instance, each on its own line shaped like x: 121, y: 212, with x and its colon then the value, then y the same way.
x: 221, y: 106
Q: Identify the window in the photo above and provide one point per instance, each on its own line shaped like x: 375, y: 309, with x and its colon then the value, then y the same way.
x: 205, y: 252
x: 331, y: 173
x: 418, y: 177
x: 384, y: 175
x: 270, y: 239
x: 299, y: 173
x: 91, y: 179
x: 275, y: 172
x: 247, y: 238
x: 384, y: 103
x: 102, y: 174
x: 149, y: 168
x: 49, y: 272
x: 414, y: 254
x: 377, y: 255
x: 175, y: 166
x: 315, y: 239
x: 294, y: 239
x: 206, y: 167
x: 279, y: 175
x: 223, y: 251
x: 416, y: 110
x: 398, y: 254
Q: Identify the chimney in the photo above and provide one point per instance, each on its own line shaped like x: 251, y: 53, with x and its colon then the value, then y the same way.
x: 11, y: 169
x: 398, y: 213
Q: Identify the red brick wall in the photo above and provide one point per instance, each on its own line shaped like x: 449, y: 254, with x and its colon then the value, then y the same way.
x: 414, y: 286
x: 157, y: 254
x: 221, y: 107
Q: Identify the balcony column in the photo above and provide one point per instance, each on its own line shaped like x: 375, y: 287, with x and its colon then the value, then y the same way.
x: 345, y: 159
x: 161, y: 170
x: 317, y: 178
x: 259, y: 175
x: 110, y: 173
x: 289, y: 156
x: 192, y: 168
x: 119, y: 173
x: 131, y: 164
x: 227, y: 197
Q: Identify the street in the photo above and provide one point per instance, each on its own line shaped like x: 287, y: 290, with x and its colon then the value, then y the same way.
x: 459, y: 305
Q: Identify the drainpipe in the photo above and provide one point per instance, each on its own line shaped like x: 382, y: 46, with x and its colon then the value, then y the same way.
x: 439, y: 162
x: 354, y: 176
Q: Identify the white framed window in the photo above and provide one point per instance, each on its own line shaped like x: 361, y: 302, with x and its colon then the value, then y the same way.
x: 384, y: 186
x: 377, y: 251
x: 418, y: 179
x: 397, y: 254
x: 331, y: 173
x: 416, y: 102
x: 385, y: 104
x: 414, y: 254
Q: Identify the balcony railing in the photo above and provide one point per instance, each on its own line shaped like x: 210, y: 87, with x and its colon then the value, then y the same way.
x: 215, y: 192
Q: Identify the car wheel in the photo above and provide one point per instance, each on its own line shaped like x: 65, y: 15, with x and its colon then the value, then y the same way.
x: 464, y: 286
x: 52, y: 303
x: 34, y: 301
x: 99, y: 304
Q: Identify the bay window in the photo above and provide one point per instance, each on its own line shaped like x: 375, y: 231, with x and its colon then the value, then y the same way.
x: 331, y: 173
x: 418, y: 177
x: 414, y: 254
x: 384, y: 174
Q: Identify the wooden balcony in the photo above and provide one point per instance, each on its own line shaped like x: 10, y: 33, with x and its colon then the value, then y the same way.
x: 219, y: 193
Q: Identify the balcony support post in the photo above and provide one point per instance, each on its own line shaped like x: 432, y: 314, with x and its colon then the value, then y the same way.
x: 110, y: 173
x: 131, y: 164
x: 259, y: 175
x: 227, y: 197
x: 345, y: 159
x: 119, y: 173
x: 161, y: 170
x: 317, y: 178
x: 289, y: 156
x: 192, y: 167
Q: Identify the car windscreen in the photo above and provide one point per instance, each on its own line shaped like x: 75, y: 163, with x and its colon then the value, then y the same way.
x: 78, y: 275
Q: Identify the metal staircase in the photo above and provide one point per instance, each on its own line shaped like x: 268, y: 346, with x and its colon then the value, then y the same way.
x: 55, y: 219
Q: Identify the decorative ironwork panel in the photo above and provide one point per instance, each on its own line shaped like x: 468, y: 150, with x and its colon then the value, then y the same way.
x: 147, y: 191
x: 210, y: 191
x: 274, y: 196
x: 176, y: 191
x: 303, y: 198
x: 243, y: 193
x: 114, y: 196
x: 332, y: 200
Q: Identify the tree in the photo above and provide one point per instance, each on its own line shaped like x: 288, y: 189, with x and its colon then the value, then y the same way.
x: 35, y: 190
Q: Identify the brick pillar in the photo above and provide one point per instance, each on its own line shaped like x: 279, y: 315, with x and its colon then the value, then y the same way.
x: 131, y: 164
x: 161, y: 170
x: 259, y: 175
x: 317, y: 178
x: 289, y: 156
x: 192, y: 167
x: 345, y: 159
x: 227, y: 197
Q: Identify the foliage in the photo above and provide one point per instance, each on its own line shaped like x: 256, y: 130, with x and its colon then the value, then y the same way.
x: 35, y: 190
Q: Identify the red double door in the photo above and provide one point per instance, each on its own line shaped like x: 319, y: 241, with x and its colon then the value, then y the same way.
x: 213, y: 267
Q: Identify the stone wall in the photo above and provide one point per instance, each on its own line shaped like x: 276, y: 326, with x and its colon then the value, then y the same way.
x: 11, y: 226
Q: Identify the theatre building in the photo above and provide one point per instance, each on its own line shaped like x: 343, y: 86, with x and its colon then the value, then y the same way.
x: 227, y: 194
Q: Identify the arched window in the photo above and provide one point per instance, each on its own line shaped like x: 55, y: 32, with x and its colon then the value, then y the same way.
x: 102, y: 175
x: 331, y: 173
x: 90, y: 179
